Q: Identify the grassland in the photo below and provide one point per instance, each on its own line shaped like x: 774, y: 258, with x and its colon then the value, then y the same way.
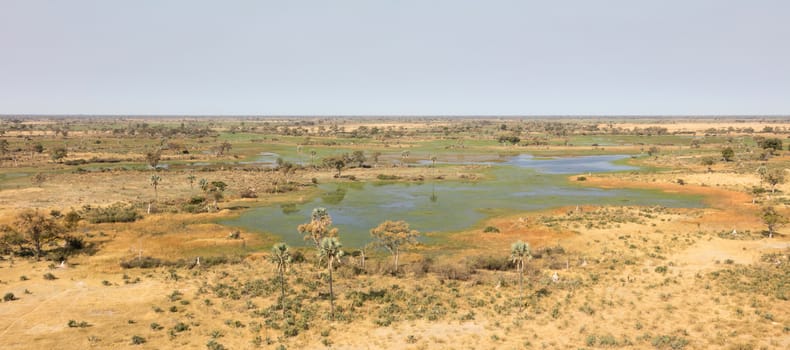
x: 602, y: 275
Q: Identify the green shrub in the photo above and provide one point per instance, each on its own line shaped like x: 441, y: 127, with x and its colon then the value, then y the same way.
x: 490, y: 229
x: 669, y: 342
x: 180, y: 327
x: 115, y: 213
x: 385, y: 177
x: 213, y: 345
x: 137, y: 340
x: 9, y: 297
x: 75, y: 324
x: 145, y: 262
x: 49, y: 276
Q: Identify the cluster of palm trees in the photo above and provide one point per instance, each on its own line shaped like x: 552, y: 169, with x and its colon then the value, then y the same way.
x: 393, y: 236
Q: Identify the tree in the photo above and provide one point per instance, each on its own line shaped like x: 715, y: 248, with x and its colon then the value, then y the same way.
x: 222, y: 148
x: 394, y: 236
x: 359, y: 158
x: 35, y: 148
x: 3, y: 147
x: 519, y: 254
x: 652, y: 150
x: 319, y: 227
x: 37, y: 228
x: 71, y: 219
x: 312, y: 156
x: 376, y: 156
x: 213, y: 189
x: 58, y: 153
x: 403, y: 156
x: 774, y: 144
x: 11, y: 238
x: 281, y: 258
x: 773, y: 177
x: 191, y: 178
x: 39, y: 179
x: 330, y: 250
x: 153, y: 158
x: 772, y: 219
x: 155, y: 180
x: 335, y: 162
x: 509, y: 139
x: 695, y: 144
x: 727, y: 154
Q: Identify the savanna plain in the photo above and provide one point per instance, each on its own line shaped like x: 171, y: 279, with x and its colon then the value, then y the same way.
x: 394, y: 233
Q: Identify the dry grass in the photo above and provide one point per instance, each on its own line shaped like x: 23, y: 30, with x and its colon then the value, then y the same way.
x: 627, y: 277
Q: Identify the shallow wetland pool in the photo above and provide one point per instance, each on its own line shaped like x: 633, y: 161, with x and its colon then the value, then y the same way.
x: 518, y: 184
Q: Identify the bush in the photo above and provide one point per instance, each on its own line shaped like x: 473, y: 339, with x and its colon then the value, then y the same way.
x: 667, y: 342
x: 727, y: 154
x: 581, y: 178
x: 137, y: 340
x: 248, y: 193
x: 114, y: 213
x: 181, y: 327
x: 774, y: 144
x: 213, y: 345
x: 74, y: 243
x: 145, y: 262
x: 75, y: 324
x: 495, y: 263
x: 49, y: 276
x: 197, y: 200
x: 148, y: 262
x: 453, y: 272
x: 708, y: 161
x: 490, y: 229
x: 385, y: 177
x: 9, y: 297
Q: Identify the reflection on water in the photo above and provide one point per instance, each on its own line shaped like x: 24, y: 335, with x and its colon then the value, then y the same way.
x: 521, y: 183
x: 335, y: 196
x: 289, y: 208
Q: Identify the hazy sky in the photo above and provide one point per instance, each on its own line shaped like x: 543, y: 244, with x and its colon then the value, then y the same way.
x: 395, y: 57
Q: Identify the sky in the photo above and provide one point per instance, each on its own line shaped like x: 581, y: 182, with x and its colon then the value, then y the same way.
x: 390, y: 57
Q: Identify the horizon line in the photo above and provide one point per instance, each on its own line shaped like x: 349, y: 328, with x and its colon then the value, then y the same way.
x: 394, y: 116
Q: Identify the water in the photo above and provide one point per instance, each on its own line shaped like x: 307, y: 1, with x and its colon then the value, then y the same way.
x: 521, y: 183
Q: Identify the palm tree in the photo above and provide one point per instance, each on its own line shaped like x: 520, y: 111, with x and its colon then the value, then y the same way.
x: 191, y: 178
x: 319, y: 227
x: 155, y: 179
x: 281, y: 257
x: 519, y: 254
x: 330, y: 249
x: 403, y: 156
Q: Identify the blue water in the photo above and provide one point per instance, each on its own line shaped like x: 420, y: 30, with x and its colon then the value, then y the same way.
x: 520, y: 183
